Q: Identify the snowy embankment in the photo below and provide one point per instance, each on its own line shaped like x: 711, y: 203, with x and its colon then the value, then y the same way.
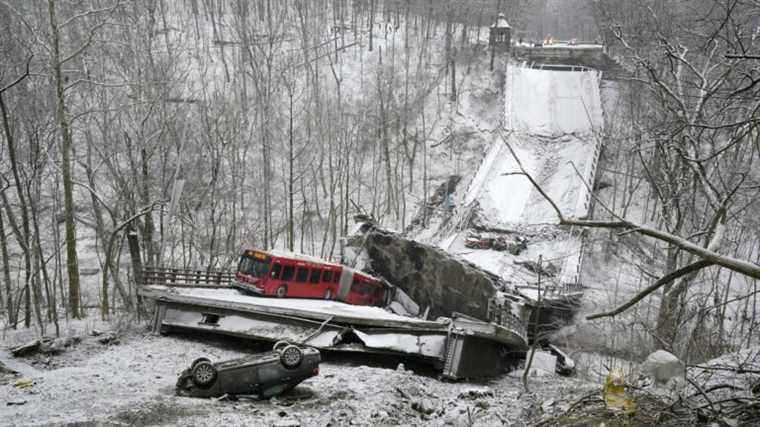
x: 553, y: 119
x: 133, y: 384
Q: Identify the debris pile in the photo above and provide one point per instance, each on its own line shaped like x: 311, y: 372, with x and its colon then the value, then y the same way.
x: 44, y: 345
x: 546, y: 269
x: 514, y: 245
x: 442, y: 198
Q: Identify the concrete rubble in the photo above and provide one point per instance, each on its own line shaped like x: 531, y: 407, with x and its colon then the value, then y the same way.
x: 430, y: 276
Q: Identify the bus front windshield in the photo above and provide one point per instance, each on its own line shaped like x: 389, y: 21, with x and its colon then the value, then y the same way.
x: 253, y: 267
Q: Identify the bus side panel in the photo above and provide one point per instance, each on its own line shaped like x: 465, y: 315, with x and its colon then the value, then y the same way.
x: 329, y: 285
x: 346, y: 278
x: 273, y: 284
x: 266, y: 280
x: 297, y: 288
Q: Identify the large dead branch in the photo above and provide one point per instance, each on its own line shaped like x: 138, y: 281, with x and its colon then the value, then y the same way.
x: 707, y: 256
x: 664, y: 280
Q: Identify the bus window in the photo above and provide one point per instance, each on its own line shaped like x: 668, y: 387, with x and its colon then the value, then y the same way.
x: 315, y: 273
x: 336, y: 277
x: 253, y: 267
x: 327, y: 276
x: 276, y: 269
x: 302, y: 274
x: 287, y: 273
x: 359, y: 287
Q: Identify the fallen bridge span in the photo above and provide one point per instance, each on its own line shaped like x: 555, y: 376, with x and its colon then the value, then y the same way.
x: 458, y: 346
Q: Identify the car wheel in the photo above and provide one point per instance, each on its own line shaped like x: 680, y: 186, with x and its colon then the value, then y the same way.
x: 281, y: 291
x: 204, y: 374
x: 291, y: 356
x: 328, y: 294
x: 198, y: 360
x: 279, y: 345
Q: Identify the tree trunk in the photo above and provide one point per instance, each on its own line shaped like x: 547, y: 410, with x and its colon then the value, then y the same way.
x: 371, y: 22
x: 137, y: 268
x: 72, y: 266
x: 291, y: 225
x: 7, y: 274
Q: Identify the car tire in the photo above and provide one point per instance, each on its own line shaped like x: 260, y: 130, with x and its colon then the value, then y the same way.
x: 281, y: 291
x: 291, y: 356
x: 204, y: 374
x: 198, y: 360
x: 279, y: 345
x: 328, y: 294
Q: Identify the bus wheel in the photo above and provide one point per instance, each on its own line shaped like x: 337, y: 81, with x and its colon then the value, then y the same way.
x: 281, y: 291
x: 328, y: 294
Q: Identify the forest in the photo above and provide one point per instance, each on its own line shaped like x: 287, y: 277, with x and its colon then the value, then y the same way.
x: 177, y: 133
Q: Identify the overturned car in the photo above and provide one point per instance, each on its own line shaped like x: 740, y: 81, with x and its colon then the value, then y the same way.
x: 258, y: 376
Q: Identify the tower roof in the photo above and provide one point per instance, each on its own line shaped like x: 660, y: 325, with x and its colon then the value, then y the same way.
x: 501, y: 21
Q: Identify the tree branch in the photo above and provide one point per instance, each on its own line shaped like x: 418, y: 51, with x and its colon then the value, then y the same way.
x: 734, y: 264
x: 22, y: 77
x: 696, y: 266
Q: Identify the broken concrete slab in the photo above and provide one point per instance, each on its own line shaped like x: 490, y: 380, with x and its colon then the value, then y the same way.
x: 542, y: 361
x: 430, y: 276
x: 459, y: 347
x: 565, y: 364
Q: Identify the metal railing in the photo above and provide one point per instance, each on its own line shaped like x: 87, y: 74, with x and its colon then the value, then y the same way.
x: 501, y: 314
x: 178, y: 277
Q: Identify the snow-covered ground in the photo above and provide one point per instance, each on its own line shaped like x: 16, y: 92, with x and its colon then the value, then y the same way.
x: 133, y: 383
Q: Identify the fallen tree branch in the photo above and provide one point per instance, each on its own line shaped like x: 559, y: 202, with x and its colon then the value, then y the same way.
x: 740, y: 266
x: 734, y: 264
x: 708, y: 256
x: 653, y: 287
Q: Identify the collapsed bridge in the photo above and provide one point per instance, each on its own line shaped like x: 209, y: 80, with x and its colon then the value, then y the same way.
x: 553, y: 117
x: 459, y: 346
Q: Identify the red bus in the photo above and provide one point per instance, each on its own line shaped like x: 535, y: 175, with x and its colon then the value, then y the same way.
x: 287, y: 274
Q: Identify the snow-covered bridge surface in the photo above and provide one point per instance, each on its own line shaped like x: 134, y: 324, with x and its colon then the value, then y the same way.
x: 553, y: 117
x: 459, y: 346
x: 315, y: 309
x: 552, y: 120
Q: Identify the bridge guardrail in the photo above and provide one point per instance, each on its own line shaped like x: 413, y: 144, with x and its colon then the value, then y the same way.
x: 177, y: 277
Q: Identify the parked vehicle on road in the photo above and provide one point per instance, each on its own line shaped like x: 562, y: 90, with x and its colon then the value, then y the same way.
x: 259, y: 376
